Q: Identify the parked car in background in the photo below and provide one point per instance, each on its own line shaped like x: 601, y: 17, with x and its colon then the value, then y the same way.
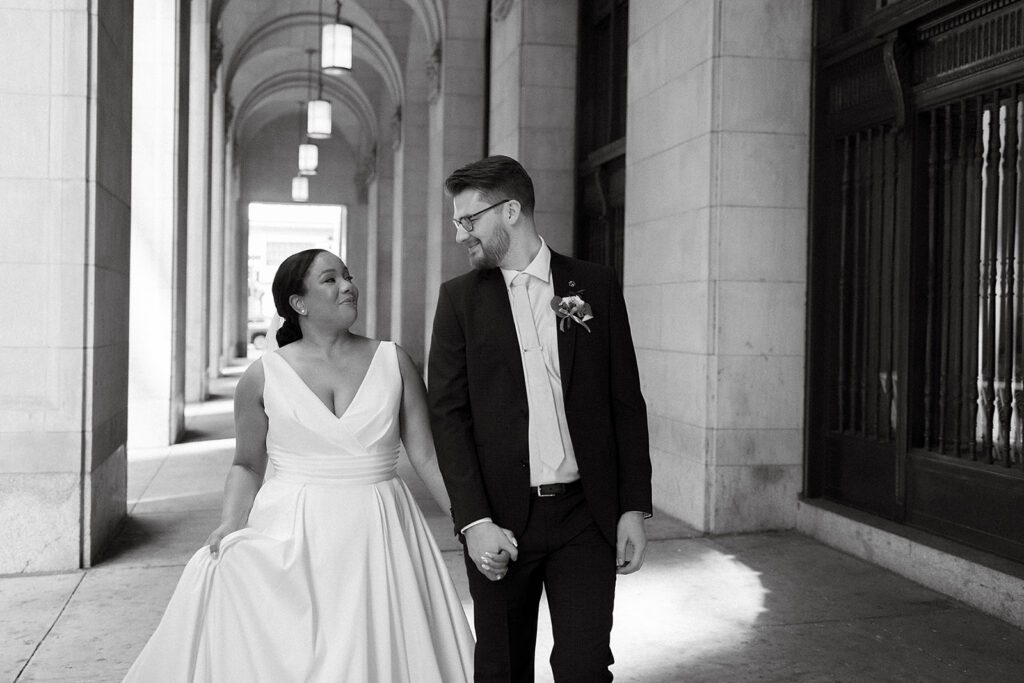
x: 257, y: 332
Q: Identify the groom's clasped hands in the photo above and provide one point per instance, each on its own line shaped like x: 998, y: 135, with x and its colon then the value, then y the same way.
x: 491, y: 548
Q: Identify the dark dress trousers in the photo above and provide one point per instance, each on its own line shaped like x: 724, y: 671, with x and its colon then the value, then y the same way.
x: 479, y: 414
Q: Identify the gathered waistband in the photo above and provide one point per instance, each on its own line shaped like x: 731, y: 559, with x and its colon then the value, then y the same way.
x: 332, y: 470
x: 331, y: 479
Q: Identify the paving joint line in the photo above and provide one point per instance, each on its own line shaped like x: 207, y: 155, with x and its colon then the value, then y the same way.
x: 50, y: 629
x: 142, y: 494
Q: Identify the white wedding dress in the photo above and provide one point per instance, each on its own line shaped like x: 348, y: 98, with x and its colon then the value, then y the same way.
x: 336, y: 576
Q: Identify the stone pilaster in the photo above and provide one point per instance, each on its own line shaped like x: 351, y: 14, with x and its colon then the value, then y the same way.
x: 65, y: 185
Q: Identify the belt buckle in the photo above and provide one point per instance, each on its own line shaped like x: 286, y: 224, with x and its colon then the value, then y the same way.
x: 541, y: 494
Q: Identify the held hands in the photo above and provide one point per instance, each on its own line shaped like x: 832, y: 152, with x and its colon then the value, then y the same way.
x: 491, y: 548
x: 631, y: 543
x: 217, y: 536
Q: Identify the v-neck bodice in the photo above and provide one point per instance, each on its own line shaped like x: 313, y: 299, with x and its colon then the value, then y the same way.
x: 307, y: 443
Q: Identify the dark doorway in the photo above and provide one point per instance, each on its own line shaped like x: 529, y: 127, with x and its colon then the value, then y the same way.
x: 601, y: 131
x: 916, y: 370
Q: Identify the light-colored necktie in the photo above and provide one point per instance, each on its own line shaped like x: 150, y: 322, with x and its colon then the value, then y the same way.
x: 545, y: 437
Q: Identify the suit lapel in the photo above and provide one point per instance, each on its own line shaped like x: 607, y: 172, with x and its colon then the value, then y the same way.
x: 496, y: 315
x: 562, y: 275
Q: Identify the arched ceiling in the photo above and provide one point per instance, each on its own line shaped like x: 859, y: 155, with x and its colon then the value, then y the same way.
x: 263, y: 40
x: 266, y: 66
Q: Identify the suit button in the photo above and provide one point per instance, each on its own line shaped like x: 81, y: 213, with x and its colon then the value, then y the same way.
x: 524, y: 412
x: 524, y: 463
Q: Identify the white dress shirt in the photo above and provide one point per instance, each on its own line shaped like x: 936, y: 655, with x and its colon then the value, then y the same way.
x: 541, y: 290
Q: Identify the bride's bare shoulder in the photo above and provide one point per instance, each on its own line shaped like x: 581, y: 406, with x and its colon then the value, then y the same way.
x: 250, y: 384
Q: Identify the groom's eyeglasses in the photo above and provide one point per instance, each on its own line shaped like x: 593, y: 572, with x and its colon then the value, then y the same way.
x: 466, y: 222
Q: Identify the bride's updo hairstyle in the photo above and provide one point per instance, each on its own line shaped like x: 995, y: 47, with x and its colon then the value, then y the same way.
x: 289, y: 279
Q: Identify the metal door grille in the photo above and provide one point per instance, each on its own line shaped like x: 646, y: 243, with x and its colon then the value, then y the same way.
x: 973, y: 394
x: 866, y: 379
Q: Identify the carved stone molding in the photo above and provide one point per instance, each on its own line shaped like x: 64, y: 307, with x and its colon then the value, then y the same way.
x: 434, y: 73
x: 859, y: 81
x: 366, y: 171
x: 982, y: 36
x: 396, y: 128
x: 500, y: 9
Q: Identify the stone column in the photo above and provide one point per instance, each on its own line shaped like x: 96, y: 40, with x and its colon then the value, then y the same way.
x: 455, y: 137
x: 411, y: 191
x: 239, y: 266
x: 368, y: 309
x: 715, y: 244
x: 533, y: 104
x: 397, y: 233
x: 197, y: 284
x: 385, y: 212
x: 230, y: 236
x: 65, y: 189
x: 156, y: 383
x: 216, y: 320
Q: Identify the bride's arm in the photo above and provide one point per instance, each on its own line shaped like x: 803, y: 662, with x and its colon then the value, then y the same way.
x: 246, y: 474
x: 416, y: 435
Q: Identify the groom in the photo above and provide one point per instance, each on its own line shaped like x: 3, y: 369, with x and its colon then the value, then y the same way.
x: 540, y: 429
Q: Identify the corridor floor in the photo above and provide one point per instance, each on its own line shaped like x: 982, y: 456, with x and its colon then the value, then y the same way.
x: 755, y: 607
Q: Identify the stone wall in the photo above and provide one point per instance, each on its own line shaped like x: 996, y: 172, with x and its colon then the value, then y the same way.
x: 65, y: 184
x: 716, y: 198
x: 533, y: 105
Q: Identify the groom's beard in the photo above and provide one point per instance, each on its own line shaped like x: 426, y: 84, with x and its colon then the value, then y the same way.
x: 491, y: 255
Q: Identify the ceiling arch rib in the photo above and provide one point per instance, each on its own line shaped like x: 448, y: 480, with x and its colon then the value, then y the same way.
x: 431, y: 16
x: 369, y: 44
x: 346, y: 91
x: 429, y: 12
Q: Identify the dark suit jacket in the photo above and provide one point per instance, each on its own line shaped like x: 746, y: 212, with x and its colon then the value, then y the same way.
x: 478, y: 406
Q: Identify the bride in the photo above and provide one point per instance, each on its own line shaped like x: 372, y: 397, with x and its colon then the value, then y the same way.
x: 327, y: 571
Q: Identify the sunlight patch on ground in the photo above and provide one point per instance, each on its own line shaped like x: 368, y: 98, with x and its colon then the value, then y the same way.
x: 685, y: 604
x: 187, y: 448
x: 685, y: 607
x: 220, y: 406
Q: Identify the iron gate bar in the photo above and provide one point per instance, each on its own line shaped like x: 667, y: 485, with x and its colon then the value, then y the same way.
x: 1009, y: 217
x: 959, y: 237
x: 1015, y: 210
x: 891, y: 171
x: 1006, y: 230
x: 991, y: 231
x: 844, y: 216
x: 947, y: 267
x: 874, y: 261
x: 931, y: 299
x: 856, y: 288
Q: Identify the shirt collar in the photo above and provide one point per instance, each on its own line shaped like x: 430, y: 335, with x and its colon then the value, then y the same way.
x: 540, y: 266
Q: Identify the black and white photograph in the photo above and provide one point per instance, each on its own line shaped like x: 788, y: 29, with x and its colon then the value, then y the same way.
x: 512, y: 341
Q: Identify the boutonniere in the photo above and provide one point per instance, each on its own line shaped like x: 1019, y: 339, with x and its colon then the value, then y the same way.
x: 573, y: 308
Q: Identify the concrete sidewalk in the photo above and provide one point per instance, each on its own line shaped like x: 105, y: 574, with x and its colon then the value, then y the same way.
x: 757, y: 607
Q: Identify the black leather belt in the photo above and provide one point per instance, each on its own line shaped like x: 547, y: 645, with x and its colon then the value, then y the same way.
x: 551, y: 490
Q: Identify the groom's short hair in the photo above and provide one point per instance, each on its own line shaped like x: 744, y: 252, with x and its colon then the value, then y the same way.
x: 495, y: 178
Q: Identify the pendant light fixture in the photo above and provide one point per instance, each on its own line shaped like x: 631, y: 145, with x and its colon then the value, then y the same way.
x: 300, y: 188
x: 309, y: 155
x: 318, y: 111
x: 336, y: 45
